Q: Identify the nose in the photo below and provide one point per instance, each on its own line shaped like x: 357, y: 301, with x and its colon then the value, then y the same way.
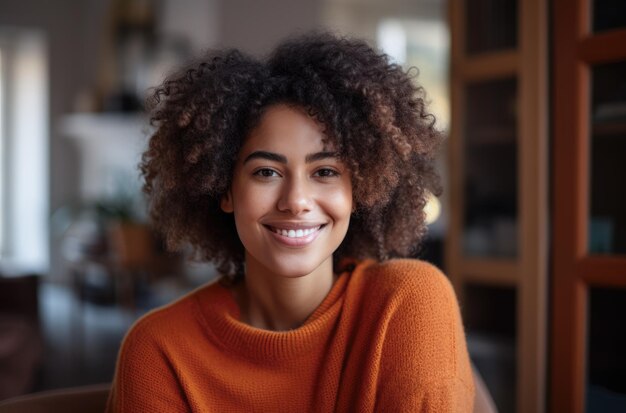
x: 296, y: 196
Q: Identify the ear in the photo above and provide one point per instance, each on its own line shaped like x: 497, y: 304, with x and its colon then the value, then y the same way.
x: 226, y: 203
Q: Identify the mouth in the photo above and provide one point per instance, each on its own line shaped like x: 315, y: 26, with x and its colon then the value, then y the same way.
x: 295, y: 237
x: 295, y: 233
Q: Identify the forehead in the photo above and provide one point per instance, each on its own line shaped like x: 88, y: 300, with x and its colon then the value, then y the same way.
x: 286, y: 129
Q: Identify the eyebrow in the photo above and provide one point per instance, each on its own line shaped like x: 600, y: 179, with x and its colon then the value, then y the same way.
x: 271, y: 156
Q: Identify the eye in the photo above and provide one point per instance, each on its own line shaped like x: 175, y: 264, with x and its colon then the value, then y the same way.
x: 326, y: 173
x: 266, y: 173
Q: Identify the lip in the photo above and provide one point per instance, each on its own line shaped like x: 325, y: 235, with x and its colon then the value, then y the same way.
x: 295, y: 242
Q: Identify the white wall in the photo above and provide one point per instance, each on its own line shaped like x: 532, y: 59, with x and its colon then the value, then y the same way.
x: 197, y: 20
x: 256, y: 26
x: 25, y: 149
x: 72, y: 30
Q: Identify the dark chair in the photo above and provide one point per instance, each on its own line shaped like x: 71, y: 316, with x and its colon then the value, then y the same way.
x: 77, y: 399
x: 19, y: 295
x: 21, y: 342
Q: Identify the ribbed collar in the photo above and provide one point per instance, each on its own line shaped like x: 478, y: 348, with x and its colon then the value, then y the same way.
x: 220, y: 314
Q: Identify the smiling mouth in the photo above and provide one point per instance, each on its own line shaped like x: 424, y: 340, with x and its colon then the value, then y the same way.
x: 295, y: 233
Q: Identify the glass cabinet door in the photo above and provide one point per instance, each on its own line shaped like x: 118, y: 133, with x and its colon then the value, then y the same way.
x: 606, y: 338
x: 589, y: 286
x: 605, y: 375
x: 490, y: 318
x: 490, y: 25
x: 608, y: 15
x: 606, y: 361
x: 490, y: 169
x: 607, y: 214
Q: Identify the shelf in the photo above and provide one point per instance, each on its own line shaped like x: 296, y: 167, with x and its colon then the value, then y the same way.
x: 603, y: 270
x: 603, y: 47
x: 489, y: 271
x: 490, y: 65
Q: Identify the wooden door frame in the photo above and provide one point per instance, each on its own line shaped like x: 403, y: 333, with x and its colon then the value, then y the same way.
x: 528, y: 272
x: 575, y: 49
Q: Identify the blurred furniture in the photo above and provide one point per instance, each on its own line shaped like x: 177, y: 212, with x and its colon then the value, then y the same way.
x: 497, y: 245
x: 124, y: 264
x: 110, y: 146
x: 132, y: 257
x: 588, y: 365
x: 21, y: 343
x: 136, y: 256
x: 77, y: 399
x: 93, y: 399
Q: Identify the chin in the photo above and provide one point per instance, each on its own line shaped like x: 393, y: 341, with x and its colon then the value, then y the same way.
x: 294, y: 267
x: 294, y: 271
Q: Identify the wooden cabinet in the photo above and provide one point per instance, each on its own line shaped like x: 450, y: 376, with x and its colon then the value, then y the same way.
x: 496, y: 251
x: 588, y: 335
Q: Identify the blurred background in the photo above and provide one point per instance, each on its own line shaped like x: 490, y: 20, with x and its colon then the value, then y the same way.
x: 531, y: 228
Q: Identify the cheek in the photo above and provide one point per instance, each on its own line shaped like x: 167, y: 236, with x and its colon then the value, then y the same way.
x: 339, y: 203
x: 250, y: 204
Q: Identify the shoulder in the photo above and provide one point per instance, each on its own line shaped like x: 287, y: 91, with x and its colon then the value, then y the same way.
x: 171, y: 322
x: 150, y: 358
x: 406, y: 269
x: 414, y: 294
x: 424, y: 328
x: 408, y: 278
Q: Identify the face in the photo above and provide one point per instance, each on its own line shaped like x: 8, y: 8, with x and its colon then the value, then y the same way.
x: 291, y: 197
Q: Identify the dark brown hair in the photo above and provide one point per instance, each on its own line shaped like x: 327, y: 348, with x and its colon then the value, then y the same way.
x: 370, y: 109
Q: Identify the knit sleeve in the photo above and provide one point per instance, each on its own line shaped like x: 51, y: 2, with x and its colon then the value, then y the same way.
x: 144, y: 378
x: 425, y: 366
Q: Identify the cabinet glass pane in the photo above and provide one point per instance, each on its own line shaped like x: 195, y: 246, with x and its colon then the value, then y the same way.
x: 490, y: 169
x: 490, y: 25
x: 609, y: 14
x: 607, y: 220
x: 490, y: 320
x: 606, y: 355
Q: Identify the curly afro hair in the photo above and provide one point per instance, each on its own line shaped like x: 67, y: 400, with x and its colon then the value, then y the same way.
x: 370, y: 110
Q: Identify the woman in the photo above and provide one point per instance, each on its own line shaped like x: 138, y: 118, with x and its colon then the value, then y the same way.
x: 303, y: 177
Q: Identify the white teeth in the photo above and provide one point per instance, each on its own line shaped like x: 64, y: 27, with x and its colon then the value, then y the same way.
x: 297, y: 233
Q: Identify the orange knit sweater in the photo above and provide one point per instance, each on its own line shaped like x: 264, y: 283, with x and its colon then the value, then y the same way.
x: 387, y: 338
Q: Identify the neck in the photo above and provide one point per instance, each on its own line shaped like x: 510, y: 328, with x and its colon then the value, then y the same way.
x: 277, y: 302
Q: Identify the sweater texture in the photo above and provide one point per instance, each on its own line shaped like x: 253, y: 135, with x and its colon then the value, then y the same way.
x: 388, y: 337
